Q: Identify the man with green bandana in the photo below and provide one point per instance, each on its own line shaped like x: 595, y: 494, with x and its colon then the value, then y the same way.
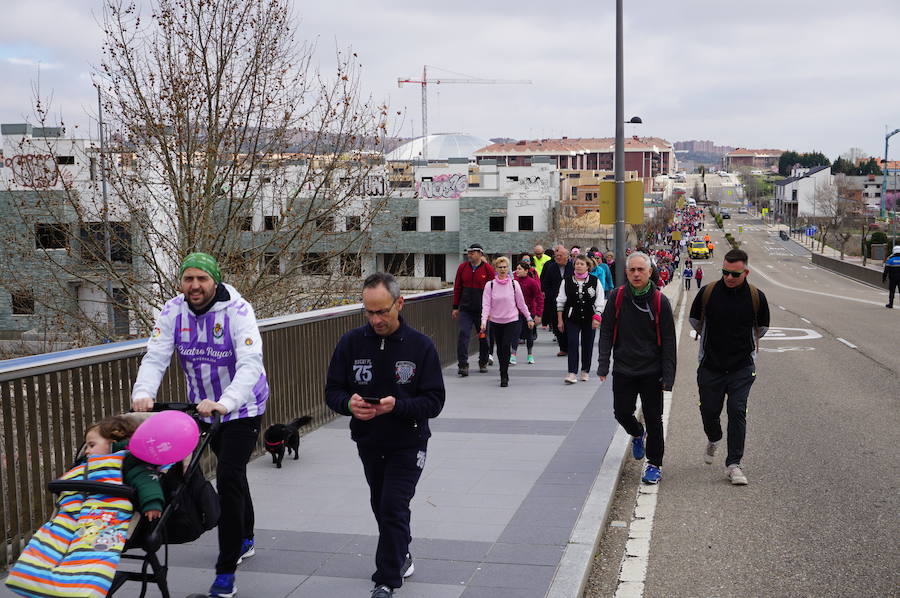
x: 639, y: 326
x: 213, y: 330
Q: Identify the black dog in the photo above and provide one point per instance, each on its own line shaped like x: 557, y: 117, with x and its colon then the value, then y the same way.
x: 281, y: 437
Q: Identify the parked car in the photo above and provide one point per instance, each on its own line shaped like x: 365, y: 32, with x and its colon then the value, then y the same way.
x: 725, y: 215
x: 723, y: 173
x: 742, y: 210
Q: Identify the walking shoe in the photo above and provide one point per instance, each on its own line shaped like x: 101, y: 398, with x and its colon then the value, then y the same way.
x: 637, y: 446
x: 561, y: 354
x: 504, y: 382
x: 512, y: 359
x: 463, y: 371
x: 531, y: 359
x: 408, y: 567
x: 889, y: 306
x: 652, y: 474
x: 223, y: 586
x: 584, y: 377
x: 490, y: 360
x: 570, y: 378
x: 736, y: 475
x: 382, y: 591
x: 482, y: 367
x: 709, y: 453
x: 247, y: 550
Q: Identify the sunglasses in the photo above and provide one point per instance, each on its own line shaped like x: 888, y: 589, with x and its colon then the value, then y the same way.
x: 732, y: 273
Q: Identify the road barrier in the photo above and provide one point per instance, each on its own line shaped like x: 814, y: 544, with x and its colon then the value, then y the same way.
x: 849, y: 269
x: 46, y: 401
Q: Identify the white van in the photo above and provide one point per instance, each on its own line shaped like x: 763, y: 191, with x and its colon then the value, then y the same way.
x: 691, y: 201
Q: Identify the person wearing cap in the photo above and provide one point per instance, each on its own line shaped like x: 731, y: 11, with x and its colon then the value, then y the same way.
x: 891, y: 274
x: 219, y: 346
x: 468, y: 288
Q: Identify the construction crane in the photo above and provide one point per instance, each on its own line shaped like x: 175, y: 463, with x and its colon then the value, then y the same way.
x: 425, y: 81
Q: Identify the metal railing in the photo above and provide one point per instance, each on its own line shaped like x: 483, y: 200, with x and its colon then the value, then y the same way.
x: 46, y: 401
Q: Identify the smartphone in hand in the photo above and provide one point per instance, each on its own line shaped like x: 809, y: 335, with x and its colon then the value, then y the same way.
x: 371, y: 400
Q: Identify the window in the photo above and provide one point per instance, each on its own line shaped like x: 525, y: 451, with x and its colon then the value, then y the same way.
x: 497, y: 224
x: 22, y: 304
x: 63, y: 160
x: 436, y: 265
x: 351, y: 265
x: 315, y: 263
x: 51, y: 236
x: 526, y: 223
x: 399, y: 264
x: 270, y: 222
x: 438, y: 223
x: 93, y: 169
x: 121, y: 316
x: 512, y: 179
x: 247, y: 223
x: 408, y: 223
x: 271, y: 264
x: 325, y: 223
x: 93, y: 242
x: 353, y: 223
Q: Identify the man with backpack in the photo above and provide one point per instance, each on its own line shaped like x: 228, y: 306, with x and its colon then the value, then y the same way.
x: 730, y: 316
x: 638, y: 325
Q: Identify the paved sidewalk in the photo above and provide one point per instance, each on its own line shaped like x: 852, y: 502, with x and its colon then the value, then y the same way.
x: 510, y: 504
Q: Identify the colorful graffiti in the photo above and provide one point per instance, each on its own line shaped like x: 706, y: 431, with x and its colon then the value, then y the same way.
x: 443, y: 186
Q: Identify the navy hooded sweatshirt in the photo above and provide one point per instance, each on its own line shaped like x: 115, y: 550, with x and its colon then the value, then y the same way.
x: 404, y: 365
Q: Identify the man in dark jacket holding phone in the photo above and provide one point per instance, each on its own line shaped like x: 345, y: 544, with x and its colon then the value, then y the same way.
x: 387, y: 377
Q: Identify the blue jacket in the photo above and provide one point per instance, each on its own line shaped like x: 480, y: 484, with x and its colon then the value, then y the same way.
x: 604, y: 275
x: 404, y: 365
x: 892, y: 268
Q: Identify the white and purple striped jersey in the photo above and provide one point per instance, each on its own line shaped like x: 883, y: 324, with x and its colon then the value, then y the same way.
x: 220, y: 353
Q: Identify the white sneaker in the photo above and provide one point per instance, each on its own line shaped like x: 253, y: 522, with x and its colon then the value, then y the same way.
x: 490, y: 360
x: 570, y: 378
x: 584, y: 377
x: 736, y: 475
x: 709, y: 453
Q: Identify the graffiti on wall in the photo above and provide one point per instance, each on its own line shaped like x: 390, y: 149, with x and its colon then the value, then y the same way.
x: 375, y: 186
x: 443, y: 186
x: 36, y: 171
x: 533, y: 183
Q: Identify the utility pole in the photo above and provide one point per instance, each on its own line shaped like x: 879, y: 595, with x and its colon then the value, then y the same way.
x: 619, y: 161
x: 884, y: 173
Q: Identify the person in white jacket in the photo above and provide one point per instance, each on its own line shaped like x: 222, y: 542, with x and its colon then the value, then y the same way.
x: 219, y: 346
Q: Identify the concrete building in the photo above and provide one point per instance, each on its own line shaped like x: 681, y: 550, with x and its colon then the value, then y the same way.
x: 765, y: 159
x: 804, y: 194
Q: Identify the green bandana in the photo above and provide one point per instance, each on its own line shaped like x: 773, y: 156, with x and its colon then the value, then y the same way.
x: 202, y: 261
x: 639, y: 292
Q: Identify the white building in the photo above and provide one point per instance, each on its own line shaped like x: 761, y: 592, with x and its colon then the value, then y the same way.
x: 808, y: 192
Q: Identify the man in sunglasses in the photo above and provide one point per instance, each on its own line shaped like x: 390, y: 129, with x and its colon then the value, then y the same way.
x: 730, y: 316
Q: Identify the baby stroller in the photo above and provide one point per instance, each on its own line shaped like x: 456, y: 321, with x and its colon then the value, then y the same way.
x: 78, y: 551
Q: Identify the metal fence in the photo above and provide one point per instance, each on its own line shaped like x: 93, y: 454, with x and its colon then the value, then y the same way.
x: 46, y: 401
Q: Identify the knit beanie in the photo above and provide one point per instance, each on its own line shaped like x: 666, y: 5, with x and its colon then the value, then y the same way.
x: 202, y: 261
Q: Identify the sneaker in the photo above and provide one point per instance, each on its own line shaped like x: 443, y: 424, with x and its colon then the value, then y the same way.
x: 637, y: 446
x: 889, y: 306
x: 710, y: 453
x: 652, y: 474
x: 504, y: 382
x: 382, y: 591
x: 482, y: 367
x: 490, y: 360
x: 223, y: 586
x: 561, y: 354
x: 736, y: 475
x: 247, y: 550
x: 408, y: 567
x: 512, y: 359
x: 531, y: 359
x: 570, y: 378
x: 584, y: 377
x: 463, y: 371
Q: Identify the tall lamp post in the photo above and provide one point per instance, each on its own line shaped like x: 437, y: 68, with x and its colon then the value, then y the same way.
x: 884, y: 180
x: 619, y: 161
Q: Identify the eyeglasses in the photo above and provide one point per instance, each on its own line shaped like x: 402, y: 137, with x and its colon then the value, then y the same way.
x: 732, y: 273
x: 380, y: 313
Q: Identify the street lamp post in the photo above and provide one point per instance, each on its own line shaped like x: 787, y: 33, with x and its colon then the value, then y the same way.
x: 884, y: 173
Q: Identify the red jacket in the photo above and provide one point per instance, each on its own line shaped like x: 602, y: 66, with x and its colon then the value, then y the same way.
x: 534, y: 297
x: 468, y: 286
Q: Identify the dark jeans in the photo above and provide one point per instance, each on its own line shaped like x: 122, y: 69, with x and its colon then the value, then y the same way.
x: 687, y: 284
x: 232, y: 444
x: 468, y: 321
x: 699, y: 282
x: 392, y: 475
x: 714, y: 385
x: 579, y: 335
x: 505, y: 334
x: 893, y: 285
x: 625, y: 392
x: 529, y: 335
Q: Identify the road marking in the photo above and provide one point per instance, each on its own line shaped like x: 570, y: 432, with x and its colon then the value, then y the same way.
x: 832, y: 295
x: 790, y: 334
x: 781, y: 307
x: 805, y: 320
x: 848, y: 343
x: 633, y: 571
x: 769, y: 266
x: 785, y: 349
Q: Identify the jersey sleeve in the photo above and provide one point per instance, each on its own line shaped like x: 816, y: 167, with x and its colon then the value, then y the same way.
x: 158, y: 356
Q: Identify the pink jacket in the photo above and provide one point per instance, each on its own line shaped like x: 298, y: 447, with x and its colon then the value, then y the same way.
x: 501, y: 303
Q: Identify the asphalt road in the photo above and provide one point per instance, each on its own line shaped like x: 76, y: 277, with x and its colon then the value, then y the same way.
x: 820, y: 515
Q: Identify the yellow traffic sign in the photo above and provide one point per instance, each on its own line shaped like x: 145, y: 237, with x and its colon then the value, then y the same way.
x: 634, y: 202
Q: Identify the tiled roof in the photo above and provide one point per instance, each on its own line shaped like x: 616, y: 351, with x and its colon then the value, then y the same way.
x: 784, y: 182
x: 741, y: 151
x: 816, y: 169
x: 571, y: 146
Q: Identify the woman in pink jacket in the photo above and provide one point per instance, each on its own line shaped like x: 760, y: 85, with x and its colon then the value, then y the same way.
x: 501, y: 304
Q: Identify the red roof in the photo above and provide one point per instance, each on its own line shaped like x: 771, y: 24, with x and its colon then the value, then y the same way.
x: 741, y: 151
x: 571, y: 146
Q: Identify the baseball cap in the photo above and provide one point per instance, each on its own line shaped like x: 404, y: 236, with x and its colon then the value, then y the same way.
x: 475, y: 247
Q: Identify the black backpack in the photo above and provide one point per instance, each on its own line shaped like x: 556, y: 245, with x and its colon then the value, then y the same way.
x: 195, y: 509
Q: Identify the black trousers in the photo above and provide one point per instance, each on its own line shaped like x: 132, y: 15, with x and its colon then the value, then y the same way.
x: 504, y: 335
x: 625, y: 392
x: 893, y: 285
x: 529, y: 335
x: 392, y: 475
x: 714, y: 386
x: 232, y: 444
x: 466, y: 321
x: 580, y: 335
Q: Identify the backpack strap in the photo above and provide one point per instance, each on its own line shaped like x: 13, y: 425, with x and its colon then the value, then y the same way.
x: 704, y: 299
x: 620, y: 292
x: 754, y: 298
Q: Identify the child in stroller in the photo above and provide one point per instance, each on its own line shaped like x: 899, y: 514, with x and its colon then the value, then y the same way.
x: 78, y: 551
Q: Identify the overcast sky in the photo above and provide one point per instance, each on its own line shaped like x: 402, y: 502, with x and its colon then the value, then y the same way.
x: 787, y: 74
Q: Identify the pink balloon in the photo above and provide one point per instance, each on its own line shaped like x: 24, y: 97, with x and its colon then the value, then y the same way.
x: 165, y: 437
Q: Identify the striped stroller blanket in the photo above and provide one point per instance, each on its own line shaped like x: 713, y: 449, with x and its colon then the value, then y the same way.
x: 75, y: 554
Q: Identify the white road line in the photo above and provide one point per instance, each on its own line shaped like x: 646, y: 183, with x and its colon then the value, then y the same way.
x: 633, y: 571
x: 848, y: 343
x: 805, y: 320
x: 781, y: 307
x: 832, y: 295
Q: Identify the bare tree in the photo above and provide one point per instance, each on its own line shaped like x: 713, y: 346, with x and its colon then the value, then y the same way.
x: 837, y: 209
x: 222, y: 137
